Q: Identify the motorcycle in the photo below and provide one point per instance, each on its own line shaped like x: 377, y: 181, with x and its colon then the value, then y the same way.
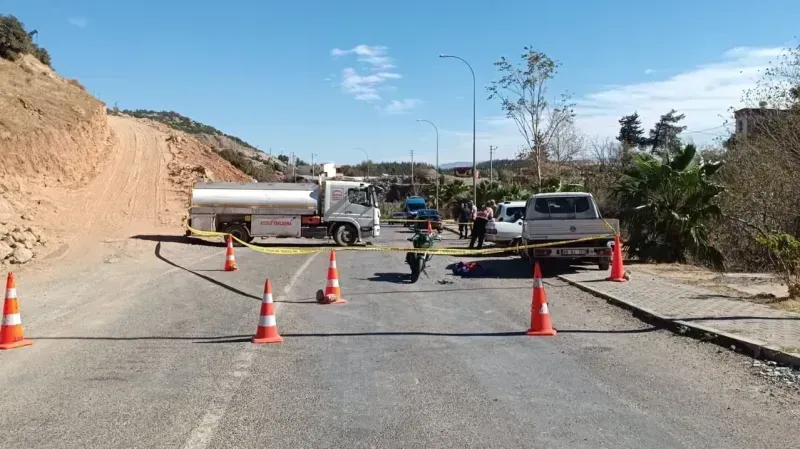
x: 422, y: 239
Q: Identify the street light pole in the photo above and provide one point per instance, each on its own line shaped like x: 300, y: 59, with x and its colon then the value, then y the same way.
x: 312, y: 164
x: 474, y: 162
x: 367, y: 155
x: 437, y: 158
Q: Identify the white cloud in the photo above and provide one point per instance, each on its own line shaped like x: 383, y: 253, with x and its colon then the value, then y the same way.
x: 402, y: 106
x: 648, y: 71
x: 375, y: 56
x: 80, y: 22
x: 704, y: 93
x: 374, y: 76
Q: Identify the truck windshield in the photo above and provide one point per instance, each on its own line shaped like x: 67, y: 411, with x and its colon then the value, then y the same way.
x: 563, y: 208
x: 415, y: 205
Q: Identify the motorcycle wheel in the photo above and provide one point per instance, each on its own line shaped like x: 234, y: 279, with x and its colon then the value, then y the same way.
x: 416, y: 269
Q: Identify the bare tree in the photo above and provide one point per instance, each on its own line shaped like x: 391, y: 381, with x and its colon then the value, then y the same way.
x: 522, y: 91
x: 565, y: 145
x: 762, y: 174
x: 606, y: 151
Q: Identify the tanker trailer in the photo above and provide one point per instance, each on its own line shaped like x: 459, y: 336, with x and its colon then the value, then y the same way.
x: 344, y: 210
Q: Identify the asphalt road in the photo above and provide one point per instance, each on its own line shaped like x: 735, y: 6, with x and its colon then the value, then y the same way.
x: 155, y: 352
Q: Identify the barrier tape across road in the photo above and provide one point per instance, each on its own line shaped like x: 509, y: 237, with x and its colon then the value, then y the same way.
x: 438, y: 251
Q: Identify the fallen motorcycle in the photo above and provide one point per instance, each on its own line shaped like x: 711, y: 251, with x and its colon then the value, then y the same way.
x: 422, y: 239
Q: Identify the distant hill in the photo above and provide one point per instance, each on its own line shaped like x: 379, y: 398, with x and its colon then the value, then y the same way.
x: 241, y: 154
x: 451, y: 165
x: 511, y: 164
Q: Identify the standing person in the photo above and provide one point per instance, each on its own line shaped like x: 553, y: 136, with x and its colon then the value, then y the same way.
x: 482, y: 217
x: 464, y: 215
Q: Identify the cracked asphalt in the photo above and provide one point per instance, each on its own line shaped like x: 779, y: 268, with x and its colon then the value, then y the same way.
x: 154, y: 352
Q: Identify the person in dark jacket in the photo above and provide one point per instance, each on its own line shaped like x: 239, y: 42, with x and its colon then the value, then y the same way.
x: 464, y: 216
x: 482, y: 218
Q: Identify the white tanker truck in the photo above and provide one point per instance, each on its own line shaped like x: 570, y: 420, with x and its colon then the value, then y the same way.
x: 345, y: 210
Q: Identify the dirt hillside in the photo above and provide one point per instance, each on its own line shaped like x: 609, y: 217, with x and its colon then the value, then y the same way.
x: 74, y: 176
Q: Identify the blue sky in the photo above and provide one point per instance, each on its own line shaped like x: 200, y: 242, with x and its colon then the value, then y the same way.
x: 281, y: 74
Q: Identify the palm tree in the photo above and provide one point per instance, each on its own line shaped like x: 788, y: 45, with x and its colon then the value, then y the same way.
x: 667, y: 204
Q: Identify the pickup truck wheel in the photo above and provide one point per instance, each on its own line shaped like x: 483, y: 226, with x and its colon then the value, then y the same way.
x: 345, y: 235
x: 238, y: 231
x: 603, y: 265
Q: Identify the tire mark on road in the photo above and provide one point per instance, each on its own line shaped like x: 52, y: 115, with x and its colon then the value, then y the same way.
x: 203, y: 434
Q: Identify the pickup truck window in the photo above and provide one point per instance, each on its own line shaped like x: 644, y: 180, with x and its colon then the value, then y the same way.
x: 563, y: 208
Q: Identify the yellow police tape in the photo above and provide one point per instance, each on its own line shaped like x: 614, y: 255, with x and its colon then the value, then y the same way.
x: 404, y: 220
x: 438, y: 251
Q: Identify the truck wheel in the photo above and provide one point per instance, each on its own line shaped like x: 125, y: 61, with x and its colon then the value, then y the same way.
x: 345, y: 235
x: 238, y: 231
x: 603, y: 265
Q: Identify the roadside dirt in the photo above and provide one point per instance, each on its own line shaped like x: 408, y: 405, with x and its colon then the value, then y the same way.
x: 88, y: 181
x: 763, y: 288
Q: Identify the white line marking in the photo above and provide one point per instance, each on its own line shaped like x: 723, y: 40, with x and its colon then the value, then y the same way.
x: 202, y: 435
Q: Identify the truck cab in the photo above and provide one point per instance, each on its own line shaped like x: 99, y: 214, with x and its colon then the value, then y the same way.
x: 414, y: 204
x: 351, y: 203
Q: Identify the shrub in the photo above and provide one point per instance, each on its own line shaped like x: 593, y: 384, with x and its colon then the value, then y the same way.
x: 257, y: 171
x: 15, y: 40
x: 75, y: 83
x: 786, y: 250
x: 41, y: 54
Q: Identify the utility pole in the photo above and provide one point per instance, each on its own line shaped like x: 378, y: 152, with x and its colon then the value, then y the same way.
x: 312, y: 164
x: 294, y: 167
x: 412, y: 172
x: 491, y: 171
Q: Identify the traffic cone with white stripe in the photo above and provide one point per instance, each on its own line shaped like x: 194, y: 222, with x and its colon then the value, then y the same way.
x: 540, y: 313
x: 332, y: 284
x: 617, y: 269
x: 267, y: 331
x: 11, y: 330
x: 230, y: 259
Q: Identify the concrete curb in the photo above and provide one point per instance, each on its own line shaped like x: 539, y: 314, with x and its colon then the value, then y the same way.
x: 759, y: 349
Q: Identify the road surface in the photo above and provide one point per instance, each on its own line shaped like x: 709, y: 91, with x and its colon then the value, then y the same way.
x: 154, y: 352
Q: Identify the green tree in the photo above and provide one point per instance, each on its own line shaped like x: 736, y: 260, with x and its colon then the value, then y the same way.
x: 15, y: 40
x: 663, y: 138
x: 523, y: 93
x: 667, y: 205
x: 631, y: 135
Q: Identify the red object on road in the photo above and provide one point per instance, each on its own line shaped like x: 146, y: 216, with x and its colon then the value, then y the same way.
x: 230, y: 259
x: 11, y: 335
x: 617, y: 269
x: 540, y: 313
x: 332, y: 283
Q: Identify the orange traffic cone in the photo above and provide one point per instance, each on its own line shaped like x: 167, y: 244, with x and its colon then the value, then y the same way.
x: 332, y: 284
x: 267, y: 330
x: 430, y: 228
x: 11, y: 330
x: 617, y: 270
x: 230, y: 259
x: 540, y: 314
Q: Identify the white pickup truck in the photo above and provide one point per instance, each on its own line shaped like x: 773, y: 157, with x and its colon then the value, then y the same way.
x: 567, y: 217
